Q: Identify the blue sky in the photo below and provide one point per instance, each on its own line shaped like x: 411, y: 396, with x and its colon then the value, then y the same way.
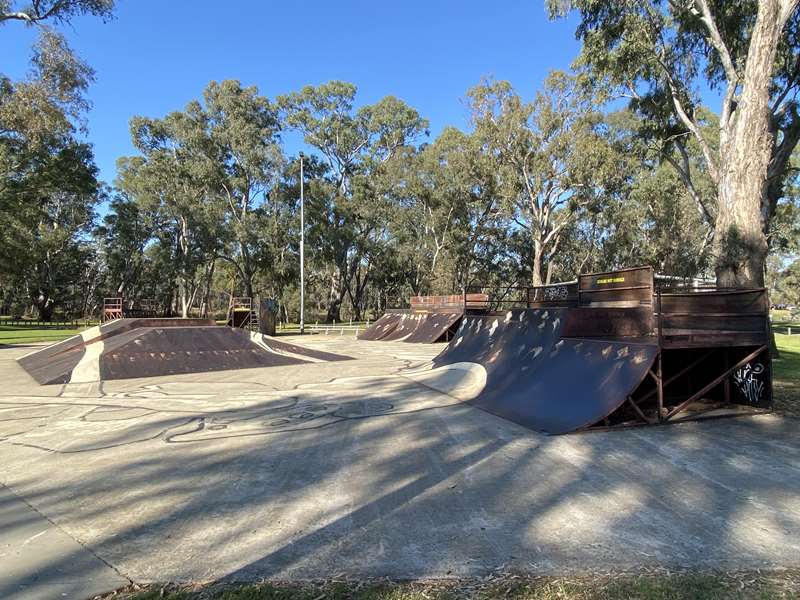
x: 156, y: 55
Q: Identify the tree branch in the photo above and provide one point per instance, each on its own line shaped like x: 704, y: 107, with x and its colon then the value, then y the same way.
x: 683, y: 116
x: 725, y: 57
x: 690, y: 124
x: 684, y: 173
x: 34, y: 16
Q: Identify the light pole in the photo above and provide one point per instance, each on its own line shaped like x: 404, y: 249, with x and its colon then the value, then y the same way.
x: 302, y: 252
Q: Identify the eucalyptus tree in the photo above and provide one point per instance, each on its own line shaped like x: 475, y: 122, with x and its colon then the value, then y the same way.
x: 445, y: 208
x: 242, y: 138
x: 125, y: 231
x: 209, y: 172
x: 356, y: 145
x: 173, y: 181
x: 553, y: 163
x: 48, y: 180
x: 48, y: 216
x: 37, y: 12
x: 659, y: 53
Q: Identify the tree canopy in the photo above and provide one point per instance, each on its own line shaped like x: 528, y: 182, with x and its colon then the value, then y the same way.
x: 657, y: 52
x: 539, y: 185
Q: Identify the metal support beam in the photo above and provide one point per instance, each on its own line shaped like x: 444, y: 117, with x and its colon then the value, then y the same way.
x: 680, y: 373
x: 639, y: 412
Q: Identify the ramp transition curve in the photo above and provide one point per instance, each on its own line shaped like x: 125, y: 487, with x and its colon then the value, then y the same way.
x: 537, y: 378
x: 414, y: 327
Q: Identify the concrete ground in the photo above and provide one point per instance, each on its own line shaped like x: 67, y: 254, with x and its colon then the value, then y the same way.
x: 352, y: 468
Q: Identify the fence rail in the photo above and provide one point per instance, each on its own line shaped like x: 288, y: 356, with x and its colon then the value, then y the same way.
x: 326, y: 328
x: 36, y: 323
x: 786, y: 329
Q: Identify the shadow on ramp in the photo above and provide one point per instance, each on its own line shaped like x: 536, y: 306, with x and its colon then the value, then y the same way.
x: 173, y: 347
x: 534, y: 377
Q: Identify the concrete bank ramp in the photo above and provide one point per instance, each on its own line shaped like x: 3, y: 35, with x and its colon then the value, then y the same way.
x: 128, y: 351
x: 535, y: 377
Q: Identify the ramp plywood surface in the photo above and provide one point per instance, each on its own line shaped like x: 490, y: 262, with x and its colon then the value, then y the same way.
x: 167, y: 351
x: 54, y: 363
x: 381, y: 328
x: 541, y: 381
x: 124, y: 352
x: 433, y: 327
x: 407, y: 324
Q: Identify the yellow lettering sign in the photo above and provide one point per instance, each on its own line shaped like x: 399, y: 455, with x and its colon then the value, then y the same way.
x: 610, y: 280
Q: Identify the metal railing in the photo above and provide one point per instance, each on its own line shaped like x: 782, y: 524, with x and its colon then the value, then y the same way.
x: 54, y: 324
x: 351, y: 327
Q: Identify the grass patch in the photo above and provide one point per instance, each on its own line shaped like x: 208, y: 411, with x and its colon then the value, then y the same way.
x: 26, y: 334
x: 751, y: 585
x: 786, y: 375
x: 780, y: 314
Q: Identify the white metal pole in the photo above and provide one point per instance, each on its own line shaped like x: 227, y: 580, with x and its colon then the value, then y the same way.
x: 302, y: 251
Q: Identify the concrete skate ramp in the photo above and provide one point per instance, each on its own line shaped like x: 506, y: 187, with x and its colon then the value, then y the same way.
x: 540, y: 380
x: 278, y: 347
x: 380, y: 328
x: 433, y: 327
x: 53, y: 363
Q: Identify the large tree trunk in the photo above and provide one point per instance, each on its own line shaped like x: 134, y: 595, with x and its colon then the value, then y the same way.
x: 207, y: 295
x: 335, y: 297
x: 248, y: 270
x: 745, y: 152
x: 45, y: 305
x: 248, y: 286
x: 536, y: 268
x: 183, y: 297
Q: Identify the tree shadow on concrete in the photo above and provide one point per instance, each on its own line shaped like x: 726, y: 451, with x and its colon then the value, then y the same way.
x: 426, y: 488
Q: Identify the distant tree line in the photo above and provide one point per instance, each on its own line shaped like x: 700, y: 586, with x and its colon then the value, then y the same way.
x: 534, y: 191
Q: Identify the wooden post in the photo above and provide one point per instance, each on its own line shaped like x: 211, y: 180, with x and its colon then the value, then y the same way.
x: 660, y: 388
x: 727, y: 384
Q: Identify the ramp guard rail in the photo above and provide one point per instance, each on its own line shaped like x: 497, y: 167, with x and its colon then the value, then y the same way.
x: 632, y: 303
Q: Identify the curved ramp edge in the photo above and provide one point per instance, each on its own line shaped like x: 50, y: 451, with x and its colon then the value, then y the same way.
x: 579, y: 383
x: 541, y: 381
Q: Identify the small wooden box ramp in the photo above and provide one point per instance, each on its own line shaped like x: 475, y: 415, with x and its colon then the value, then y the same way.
x: 613, y: 349
x: 142, y: 347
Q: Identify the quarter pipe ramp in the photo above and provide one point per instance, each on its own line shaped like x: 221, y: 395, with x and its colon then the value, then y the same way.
x: 381, y: 328
x: 611, y: 349
x: 430, y: 319
x: 536, y: 378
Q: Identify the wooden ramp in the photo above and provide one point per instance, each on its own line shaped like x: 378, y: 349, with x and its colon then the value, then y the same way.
x: 129, y: 348
x: 612, y: 349
x: 536, y: 378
